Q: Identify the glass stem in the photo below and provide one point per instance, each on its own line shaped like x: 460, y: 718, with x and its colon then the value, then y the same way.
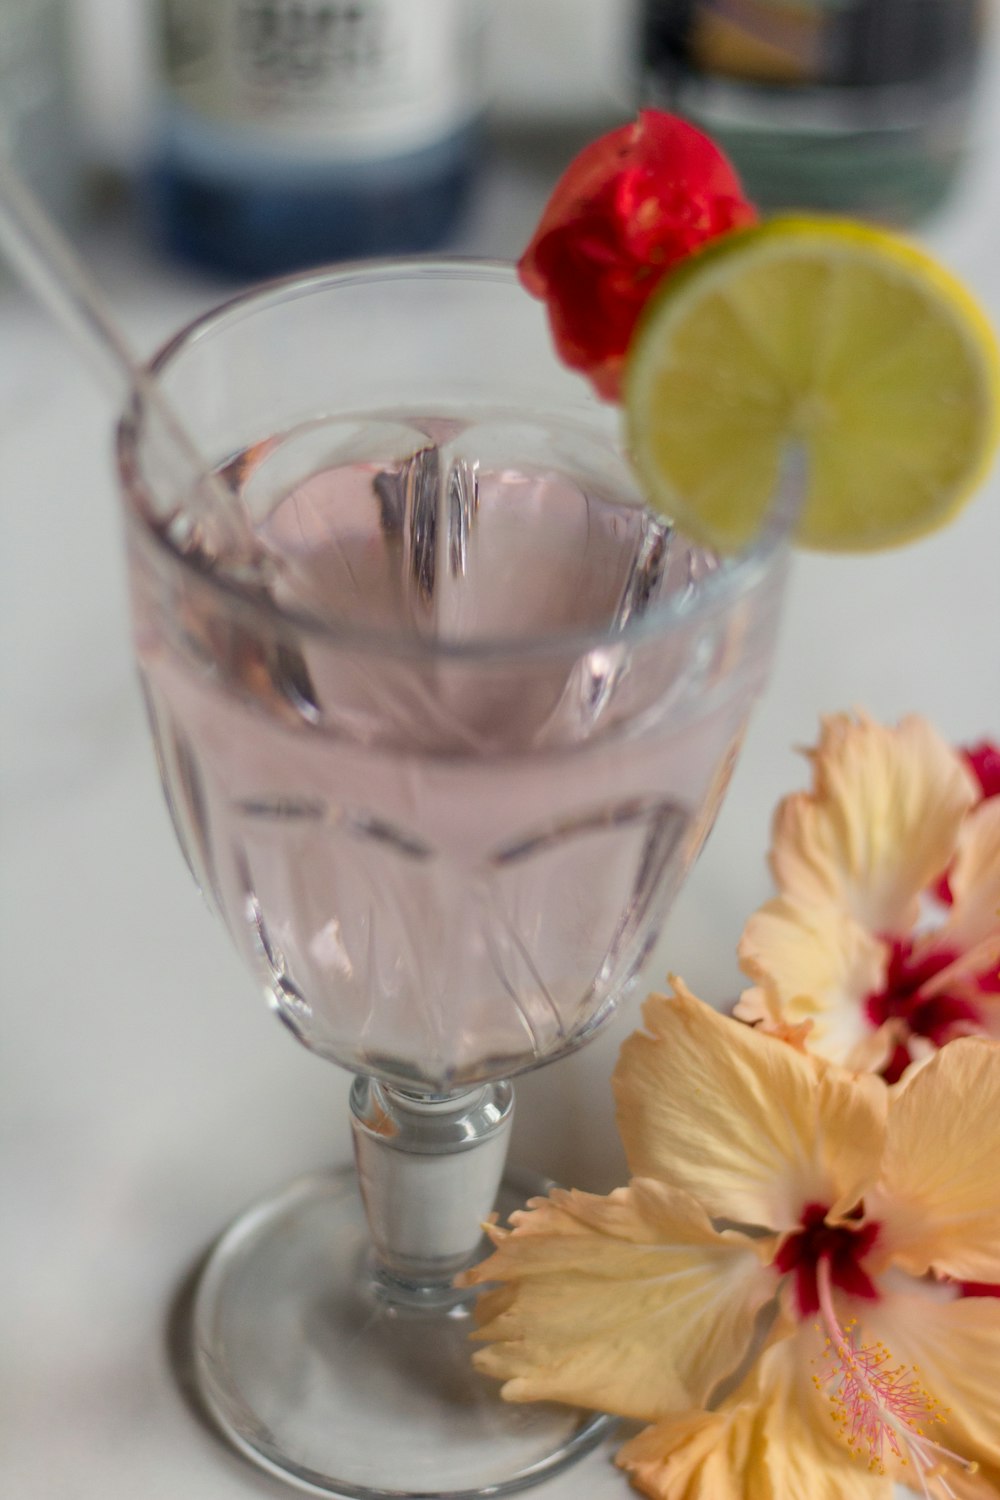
x: 429, y: 1169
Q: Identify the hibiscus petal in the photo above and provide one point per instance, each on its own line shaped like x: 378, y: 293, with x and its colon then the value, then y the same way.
x: 953, y: 1343
x: 880, y: 824
x: 984, y: 1485
x: 697, y: 1455
x: 939, y: 1195
x: 974, y: 920
x: 818, y: 965
x: 746, y: 1124
x: 772, y: 1440
x: 632, y: 1303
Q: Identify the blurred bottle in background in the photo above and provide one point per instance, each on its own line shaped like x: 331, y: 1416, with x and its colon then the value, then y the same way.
x: 37, y: 115
x: 291, y: 132
x: 857, y: 106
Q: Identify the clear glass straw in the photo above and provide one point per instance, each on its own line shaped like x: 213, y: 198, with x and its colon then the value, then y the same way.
x: 44, y: 260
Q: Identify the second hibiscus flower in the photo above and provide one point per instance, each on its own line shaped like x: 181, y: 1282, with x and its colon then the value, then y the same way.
x: 852, y: 943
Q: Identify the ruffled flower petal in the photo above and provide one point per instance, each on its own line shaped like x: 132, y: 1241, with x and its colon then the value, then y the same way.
x: 697, y: 1455
x: 632, y: 1303
x: 880, y: 825
x: 973, y: 925
x: 746, y: 1124
x: 771, y: 1440
x: 793, y: 1034
x: 813, y: 963
x: 938, y: 1198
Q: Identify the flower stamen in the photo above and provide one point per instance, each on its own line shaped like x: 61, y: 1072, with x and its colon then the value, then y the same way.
x: 880, y: 1408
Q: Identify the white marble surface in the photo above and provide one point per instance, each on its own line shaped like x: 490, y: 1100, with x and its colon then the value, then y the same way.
x: 146, y: 1094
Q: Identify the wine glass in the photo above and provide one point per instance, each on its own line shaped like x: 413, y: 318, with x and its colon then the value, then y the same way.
x: 439, y: 745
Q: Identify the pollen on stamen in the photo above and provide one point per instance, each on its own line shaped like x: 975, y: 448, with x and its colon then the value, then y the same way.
x: 882, y: 1408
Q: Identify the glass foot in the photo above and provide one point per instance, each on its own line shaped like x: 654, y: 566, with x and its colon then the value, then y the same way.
x: 316, y: 1377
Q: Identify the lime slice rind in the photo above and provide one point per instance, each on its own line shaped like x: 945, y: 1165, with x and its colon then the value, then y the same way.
x: 844, y: 339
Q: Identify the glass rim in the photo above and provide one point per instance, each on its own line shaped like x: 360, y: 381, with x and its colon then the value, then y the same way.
x: 737, y: 576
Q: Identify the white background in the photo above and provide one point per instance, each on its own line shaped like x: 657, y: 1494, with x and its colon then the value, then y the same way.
x: 146, y: 1095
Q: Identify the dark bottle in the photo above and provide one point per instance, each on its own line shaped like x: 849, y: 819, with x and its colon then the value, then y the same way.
x: 296, y: 131
x: 858, y: 106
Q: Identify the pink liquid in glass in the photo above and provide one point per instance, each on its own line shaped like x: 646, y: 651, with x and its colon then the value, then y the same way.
x: 446, y: 827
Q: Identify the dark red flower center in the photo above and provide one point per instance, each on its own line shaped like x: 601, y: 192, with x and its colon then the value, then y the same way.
x: 983, y: 760
x: 843, y: 1246
x: 939, y: 1017
x: 978, y: 1289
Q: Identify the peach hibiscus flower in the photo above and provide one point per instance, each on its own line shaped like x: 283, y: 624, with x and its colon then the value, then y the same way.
x: 849, y: 944
x: 788, y: 1224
